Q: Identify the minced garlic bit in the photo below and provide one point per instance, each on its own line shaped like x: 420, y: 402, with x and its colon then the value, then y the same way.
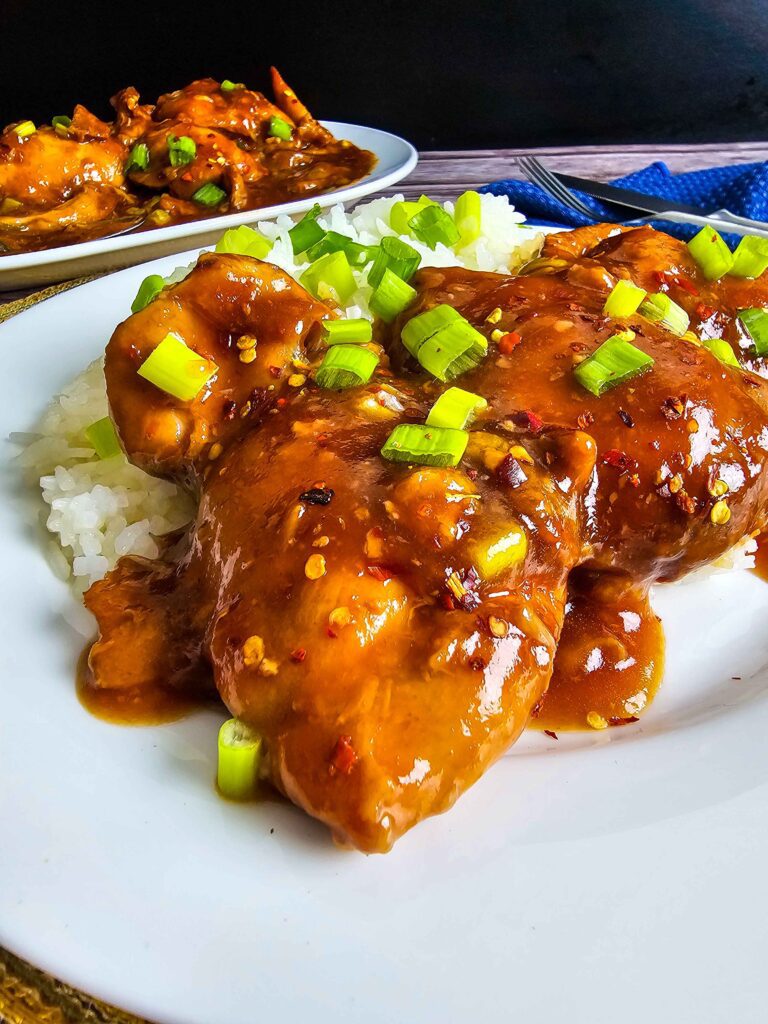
x: 563, y: 325
x: 215, y: 450
x: 497, y: 626
x: 497, y: 335
x: 253, y: 650
x: 494, y: 316
x: 720, y: 513
x: 321, y: 542
x: 596, y: 721
x: 247, y: 355
x: 314, y: 567
x: 675, y: 483
x: 268, y: 667
x: 246, y: 341
x: 341, y: 616
x: 296, y: 380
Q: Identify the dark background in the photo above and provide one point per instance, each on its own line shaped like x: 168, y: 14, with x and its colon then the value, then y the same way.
x: 446, y: 75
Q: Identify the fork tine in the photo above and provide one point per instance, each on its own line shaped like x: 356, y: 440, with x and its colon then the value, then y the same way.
x: 540, y: 175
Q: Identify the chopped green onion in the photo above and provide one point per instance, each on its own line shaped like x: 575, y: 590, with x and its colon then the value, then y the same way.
x: 176, y: 369
x: 432, y: 225
x: 423, y: 326
x: 61, y: 121
x: 355, y: 331
x: 25, y: 128
x: 661, y: 310
x: 330, y: 277
x: 227, y: 86
x: 244, y: 241
x: 624, y: 299
x: 280, y: 129
x: 209, y: 195
x: 102, y: 437
x: 346, y: 366
x: 425, y: 445
x: 456, y: 409
x: 401, y: 213
x: 444, y: 342
x: 750, y: 257
x: 467, y: 217
x: 306, y: 231
x: 239, y: 756
x: 358, y: 255
x: 391, y: 296
x: 149, y: 288
x: 332, y: 241
x: 181, y: 150
x: 614, y: 362
x: 755, y: 323
x: 722, y: 350
x: 711, y: 253
x: 138, y: 158
x: 401, y: 258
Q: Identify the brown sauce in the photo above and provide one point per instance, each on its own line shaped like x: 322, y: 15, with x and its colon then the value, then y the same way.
x: 761, y: 557
x: 610, y: 659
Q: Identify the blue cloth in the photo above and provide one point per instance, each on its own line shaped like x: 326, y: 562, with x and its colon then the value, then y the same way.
x: 740, y: 188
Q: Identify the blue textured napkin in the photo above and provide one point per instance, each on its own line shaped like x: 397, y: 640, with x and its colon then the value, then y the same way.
x: 740, y: 188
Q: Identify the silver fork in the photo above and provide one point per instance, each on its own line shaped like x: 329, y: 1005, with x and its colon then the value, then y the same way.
x: 539, y: 175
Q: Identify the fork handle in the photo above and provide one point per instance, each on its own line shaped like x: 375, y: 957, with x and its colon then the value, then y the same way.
x: 721, y: 220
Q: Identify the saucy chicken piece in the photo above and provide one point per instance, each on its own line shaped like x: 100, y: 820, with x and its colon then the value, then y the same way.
x: 206, y: 104
x: 97, y: 208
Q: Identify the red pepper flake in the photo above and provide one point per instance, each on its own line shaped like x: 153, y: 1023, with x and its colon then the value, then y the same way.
x: 623, y: 721
x: 510, y: 472
x: 528, y: 419
x: 619, y: 460
x: 448, y: 602
x: 669, y: 277
x: 343, y: 757
x: 380, y: 572
x: 298, y: 655
x: 476, y: 664
x: 626, y: 418
x: 472, y: 473
x: 276, y: 371
x: 281, y: 402
x: 552, y: 735
x: 509, y: 342
x: 685, y: 502
x: 704, y: 312
x: 634, y: 479
x: 585, y: 419
x: 673, y: 408
x: 331, y: 632
x: 228, y: 410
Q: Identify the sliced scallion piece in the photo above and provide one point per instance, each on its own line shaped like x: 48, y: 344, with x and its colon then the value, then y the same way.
x: 174, y: 368
x: 209, y: 195
x: 280, y: 129
x: 181, y: 150
x: 356, y: 331
x: 391, y: 296
x: 102, y: 437
x: 711, y: 253
x: 138, y: 158
x: 25, y: 128
x: 227, y: 86
x: 755, y: 322
x: 306, y: 231
x: 661, y: 310
x: 330, y: 277
x: 397, y: 256
x: 423, y: 326
x: 244, y: 241
x: 401, y: 213
x: 61, y: 123
x: 722, y: 351
x: 444, y: 342
x: 455, y: 409
x: 614, y: 362
x: 467, y: 216
x: 624, y: 299
x: 425, y: 445
x: 332, y: 241
x: 358, y: 255
x: 346, y: 366
x: 433, y: 225
x: 149, y: 288
x: 239, y: 756
x: 750, y: 257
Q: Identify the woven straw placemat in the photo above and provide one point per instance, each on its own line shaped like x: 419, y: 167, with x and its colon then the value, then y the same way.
x: 27, y: 995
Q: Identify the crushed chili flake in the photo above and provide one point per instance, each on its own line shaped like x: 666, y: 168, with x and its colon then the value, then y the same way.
x: 623, y: 721
x: 552, y: 735
x: 585, y: 419
x: 276, y: 371
x: 626, y: 418
x: 380, y: 572
x: 331, y: 633
x: 530, y: 420
x: 447, y: 601
x: 510, y: 472
x: 343, y: 757
x: 685, y: 502
x: 472, y: 473
x: 509, y: 342
x: 281, y: 402
x: 228, y: 410
x: 317, y: 496
x: 703, y: 311
x: 476, y: 664
x: 673, y: 408
x: 299, y: 654
x: 669, y: 277
x: 619, y: 460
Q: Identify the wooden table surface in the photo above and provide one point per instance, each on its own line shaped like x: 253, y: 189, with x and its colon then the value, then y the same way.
x: 29, y: 997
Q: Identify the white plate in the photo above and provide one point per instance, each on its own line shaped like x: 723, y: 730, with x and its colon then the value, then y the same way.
x: 616, y: 876
x: 395, y: 158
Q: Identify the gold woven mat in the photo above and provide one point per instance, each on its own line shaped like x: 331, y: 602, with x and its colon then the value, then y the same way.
x: 27, y: 995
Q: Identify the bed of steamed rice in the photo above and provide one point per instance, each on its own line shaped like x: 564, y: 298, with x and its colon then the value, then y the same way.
x: 99, y: 510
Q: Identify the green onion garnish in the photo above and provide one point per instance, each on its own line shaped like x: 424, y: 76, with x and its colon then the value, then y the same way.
x: 346, y: 366
x: 149, y: 288
x: 138, y: 158
x: 391, y: 296
x: 455, y: 409
x: 25, y: 128
x: 401, y: 213
x: 750, y: 257
x: 181, y: 150
x: 432, y: 225
x: 239, y: 756
x: 102, y: 437
x: 330, y: 277
x: 614, y: 362
x: 467, y: 217
x: 755, y: 323
x: 176, y: 369
x: 425, y: 445
x: 661, y: 310
x: 722, y: 350
x: 227, y: 86
x: 280, y: 129
x: 711, y: 253
x: 423, y: 326
x: 358, y: 255
x: 306, y: 231
x: 244, y: 241
x: 356, y: 331
x: 444, y: 342
x: 61, y: 122
x: 401, y: 258
x: 209, y: 195
x: 624, y: 299
x: 332, y: 241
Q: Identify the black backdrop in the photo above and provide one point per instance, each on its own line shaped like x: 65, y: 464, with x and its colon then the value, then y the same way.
x: 446, y: 75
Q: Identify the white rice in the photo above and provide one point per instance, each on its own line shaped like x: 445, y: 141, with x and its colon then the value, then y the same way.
x: 99, y: 510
